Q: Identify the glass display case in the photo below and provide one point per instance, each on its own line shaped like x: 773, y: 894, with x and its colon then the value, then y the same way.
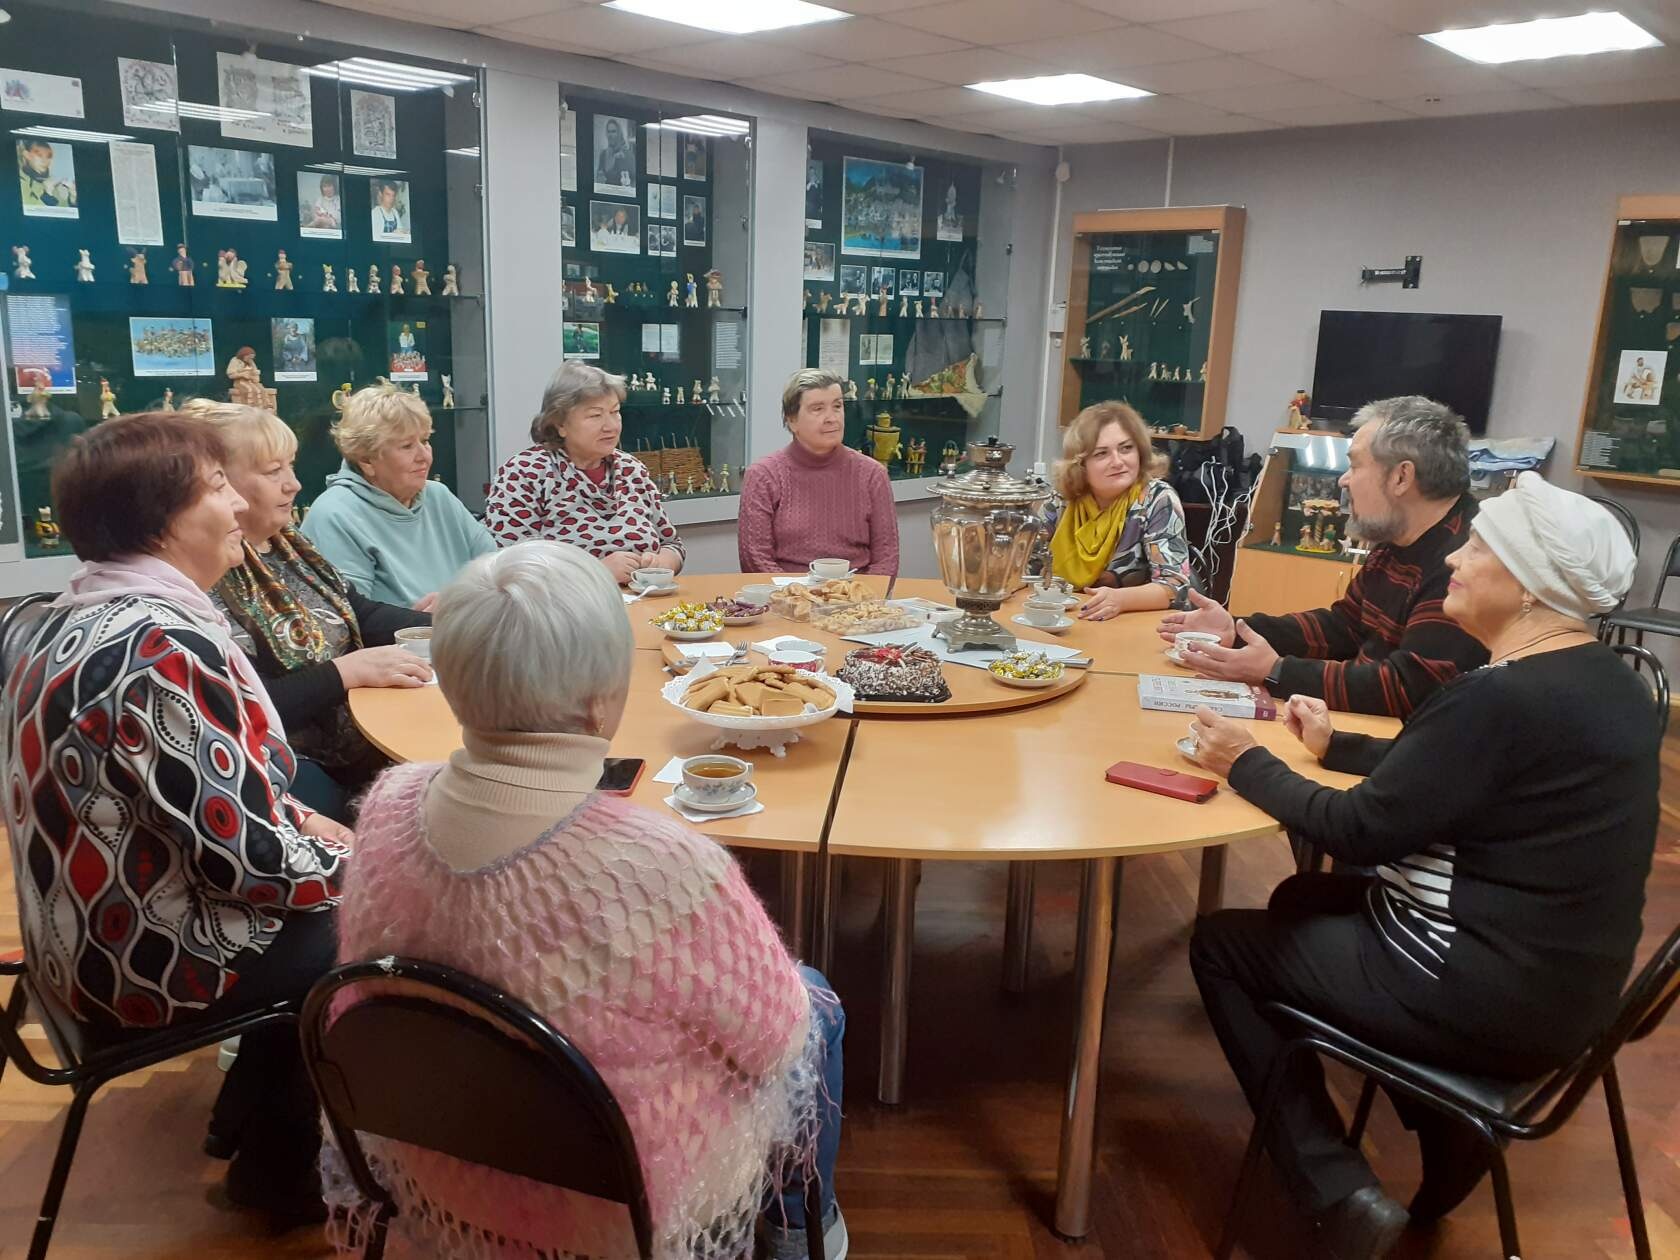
x: 205, y: 213
x: 1152, y: 303
x: 1295, y: 552
x: 656, y: 238
x: 906, y: 275
x: 1630, y: 423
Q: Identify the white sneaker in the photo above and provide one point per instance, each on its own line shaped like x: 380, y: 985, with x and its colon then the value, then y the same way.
x: 228, y: 1053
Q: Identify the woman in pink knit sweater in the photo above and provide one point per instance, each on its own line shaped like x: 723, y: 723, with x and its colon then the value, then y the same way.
x: 816, y: 497
x: 630, y: 932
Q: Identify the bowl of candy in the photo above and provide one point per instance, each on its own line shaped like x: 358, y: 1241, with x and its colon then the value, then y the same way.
x: 1027, y: 670
x: 737, y: 612
x: 689, y: 622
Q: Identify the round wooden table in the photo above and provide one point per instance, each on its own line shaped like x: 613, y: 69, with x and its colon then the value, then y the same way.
x: 1020, y: 786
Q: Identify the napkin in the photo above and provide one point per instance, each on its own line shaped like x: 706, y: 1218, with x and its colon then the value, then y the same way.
x: 705, y: 651
x: 776, y: 644
x: 695, y: 816
x: 671, y: 772
x: 924, y: 637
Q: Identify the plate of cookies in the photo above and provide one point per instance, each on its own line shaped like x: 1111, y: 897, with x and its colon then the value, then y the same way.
x: 800, y: 601
x: 757, y: 706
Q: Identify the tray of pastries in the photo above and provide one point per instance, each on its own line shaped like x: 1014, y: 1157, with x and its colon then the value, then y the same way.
x: 873, y: 616
x: 800, y: 601
x: 895, y: 674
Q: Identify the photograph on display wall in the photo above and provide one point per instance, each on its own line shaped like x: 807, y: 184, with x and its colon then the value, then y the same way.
x: 615, y: 228
x: 294, y: 348
x: 568, y: 224
x: 615, y: 156
x: 694, y: 221
x: 949, y: 226
x: 813, y: 193
x: 819, y: 260
x: 373, y: 125
x: 933, y: 283
x: 32, y: 93
x: 568, y: 149
x: 880, y: 209
x: 171, y: 347
x: 47, y: 178
x: 231, y: 183
x: 149, y: 94
x: 580, y: 341
x: 883, y: 279
x: 694, y: 157
x: 320, y: 208
x: 391, y: 222
x: 264, y: 101
x: 1639, y: 378
x: 854, y: 278
x: 910, y: 283
x: 42, y: 343
x: 661, y: 240
x: 407, y: 344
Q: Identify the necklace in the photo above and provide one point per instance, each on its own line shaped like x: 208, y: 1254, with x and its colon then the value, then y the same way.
x: 1535, y: 642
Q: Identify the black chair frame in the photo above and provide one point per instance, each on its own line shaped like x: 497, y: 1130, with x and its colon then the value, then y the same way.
x: 1532, y: 1110
x: 1620, y: 620
x: 1642, y: 658
x: 453, y: 1014
x: 85, y: 1074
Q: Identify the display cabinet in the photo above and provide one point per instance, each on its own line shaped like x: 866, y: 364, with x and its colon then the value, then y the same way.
x: 205, y: 212
x: 906, y: 275
x: 1152, y: 303
x: 656, y: 237
x: 1630, y: 422
x: 1294, y: 554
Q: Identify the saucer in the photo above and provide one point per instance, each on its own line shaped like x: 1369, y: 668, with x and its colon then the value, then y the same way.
x: 738, y: 801
x: 1059, y: 626
x: 812, y: 577
x: 1177, y: 658
x: 1187, y: 749
x: 668, y: 589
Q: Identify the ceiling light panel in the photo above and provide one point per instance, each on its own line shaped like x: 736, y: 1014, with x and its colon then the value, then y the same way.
x: 1060, y: 89
x: 1578, y: 36
x: 731, y: 17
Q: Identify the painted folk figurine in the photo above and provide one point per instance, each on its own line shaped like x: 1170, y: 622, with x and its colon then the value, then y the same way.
x: 40, y: 399
x: 422, y: 279
x: 451, y: 285
x: 713, y: 394
x: 1084, y: 347
x: 396, y: 281
x: 236, y: 268
x: 182, y: 265
x: 714, y: 288
x: 851, y: 390
x: 723, y: 481
x: 351, y: 284
x: 680, y: 399
x: 1277, y: 534
x: 671, y: 298
x: 329, y: 282
x: 691, y: 294
x: 46, y: 529
x: 919, y: 314
x: 610, y: 300
x: 84, y: 267
x: 903, y: 305
x: 137, y: 267
x: 933, y: 308
x: 168, y: 403
x: 282, y: 273
x: 373, y: 278
x: 107, y: 400
x: 247, y: 386
x: 448, y: 392
x: 22, y: 269
x: 1300, y: 408
x: 885, y: 298
x: 1125, y: 348
x: 891, y: 391
x: 869, y: 390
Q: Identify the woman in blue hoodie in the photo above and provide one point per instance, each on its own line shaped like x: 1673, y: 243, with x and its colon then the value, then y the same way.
x: 392, y: 533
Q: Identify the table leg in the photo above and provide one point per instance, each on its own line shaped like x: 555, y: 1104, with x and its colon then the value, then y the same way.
x: 1018, y: 926
x: 822, y: 929
x: 895, y: 980
x: 796, y: 925
x: 1211, y: 895
x: 1099, y: 905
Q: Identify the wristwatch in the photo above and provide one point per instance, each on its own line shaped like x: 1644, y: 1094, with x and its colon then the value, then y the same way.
x: 1274, y: 677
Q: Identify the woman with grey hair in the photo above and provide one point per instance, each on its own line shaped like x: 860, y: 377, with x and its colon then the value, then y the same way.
x: 573, y: 484
x: 632, y: 933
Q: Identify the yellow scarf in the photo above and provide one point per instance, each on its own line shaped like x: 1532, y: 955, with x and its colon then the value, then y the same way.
x: 1085, y: 537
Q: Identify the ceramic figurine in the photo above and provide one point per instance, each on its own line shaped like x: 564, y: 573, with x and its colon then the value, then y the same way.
x: 46, y: 530
x: 688, y: 487
x: 182, y: 265
x: 282, y: 273
x: 396, y: 281
x: 1203, y: 376
x: 590, y: 294
x: 414, y: 388
x: 247, y: 387
x: 979, y: 310
x: 1300, y: 407
x: 712, y: 396
x: 671, y: 490
x: 137, y: 267
x: 421, y: 278
x: 709, y: 485
x: 918, y: 457
x: 84, y: 267
x: 1189, y: 309
x: 329, y: 282
x: 723, y: 481
x: 671, y: 298
x: 1306, y: 539
x: 610, y: 300
x: 892, y: 388
x: 884, y: 438
x: 237, y: 268
x: 21, y: 268
x: 1277, y: 534
x: 350, y: 283
x: 665, y: 397
x: 696, y: 393
x: 373, y: 278
x: 450, y: 286
x: 107, y: 400
x: 1154, y: 374
x: 340, y: 396
x: 822, y: 302
x: 962, y: 311
x: 903, y: 305
x: 851, y: 391
x: 40, y: 402
x: 1125, y: 348
x: 691, y: 292
x: 168, y: 403
x: 862, y: 304
x: 918, y: 311
x: 448, y: 392
x: 1106, y: 350
x: 885, y: 298
x: 714, y: 287
x: 681, y: 401
x: 807, y: 299
x: 933, y: 308
x: 869, y: 390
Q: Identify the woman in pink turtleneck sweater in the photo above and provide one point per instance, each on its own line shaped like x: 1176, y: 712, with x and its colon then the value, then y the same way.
x: 815, y: 497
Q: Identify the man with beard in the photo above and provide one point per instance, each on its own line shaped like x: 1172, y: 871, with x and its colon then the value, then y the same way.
x: 1385, y: 645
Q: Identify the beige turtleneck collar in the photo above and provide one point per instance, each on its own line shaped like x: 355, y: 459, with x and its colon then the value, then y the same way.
x: 503, y: 789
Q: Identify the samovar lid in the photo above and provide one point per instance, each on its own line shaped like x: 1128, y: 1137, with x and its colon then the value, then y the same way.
x: 988, y: 483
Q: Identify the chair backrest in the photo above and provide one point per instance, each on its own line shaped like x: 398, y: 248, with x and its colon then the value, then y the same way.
x: 1625, y: 517
x: 1671, y: 568
x: 424, y: 1054
x: 1644, y: 659
x: 17, y: 629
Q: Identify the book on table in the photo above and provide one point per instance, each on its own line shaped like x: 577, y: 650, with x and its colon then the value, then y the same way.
x: 1175, y: 694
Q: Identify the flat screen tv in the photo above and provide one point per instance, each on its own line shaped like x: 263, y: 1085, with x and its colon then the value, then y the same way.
x: 1365, y: 355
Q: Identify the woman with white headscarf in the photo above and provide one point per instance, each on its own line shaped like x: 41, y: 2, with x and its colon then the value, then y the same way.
x: 1511, y: 826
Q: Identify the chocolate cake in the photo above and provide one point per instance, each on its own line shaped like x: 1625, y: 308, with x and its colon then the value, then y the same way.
x: 895, y: 673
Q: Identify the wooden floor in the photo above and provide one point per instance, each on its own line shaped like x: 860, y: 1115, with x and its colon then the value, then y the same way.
x: 967, y: 1167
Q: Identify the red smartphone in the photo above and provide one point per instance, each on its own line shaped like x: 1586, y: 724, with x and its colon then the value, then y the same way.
x: 1182, y: 787
x: 620, y: 775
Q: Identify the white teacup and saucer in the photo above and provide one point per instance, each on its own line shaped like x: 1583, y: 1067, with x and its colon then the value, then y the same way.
x: 1178, y: 653
x: 715, y: 784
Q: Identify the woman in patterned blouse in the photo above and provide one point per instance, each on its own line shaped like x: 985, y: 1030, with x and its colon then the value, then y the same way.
x: 165, y: 873
x: 1120, y: 539
x: 574, y: 485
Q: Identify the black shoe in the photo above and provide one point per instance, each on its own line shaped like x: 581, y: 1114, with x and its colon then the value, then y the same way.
x: 220, y: 1145
x: 1363, y: 1226
x: 1455, y: 1159
x: 287, y: 1201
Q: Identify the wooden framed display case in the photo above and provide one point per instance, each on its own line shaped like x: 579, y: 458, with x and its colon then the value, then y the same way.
x: 1152, y: 305
x: 1297, y: 503
x: 906, y: 272
x: 1630, y: 421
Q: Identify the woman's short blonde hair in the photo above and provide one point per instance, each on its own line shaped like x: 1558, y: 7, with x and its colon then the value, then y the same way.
x: 1080, y: 440
x: 376, y: 416
x: 253, y: 437
x: 531, y: 638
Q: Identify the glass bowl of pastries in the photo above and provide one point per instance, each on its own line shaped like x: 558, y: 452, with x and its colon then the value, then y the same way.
x: 800, y: 601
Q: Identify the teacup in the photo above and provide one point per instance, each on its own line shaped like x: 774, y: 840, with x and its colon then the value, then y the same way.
x: 829, y: 568
x: 756, y: 593
x: 653, y: 575
x: 416, y: 639
x: 1046, y: 599
x: 1201, y: 638
x: 714, y: 778
x: 1041, y: 614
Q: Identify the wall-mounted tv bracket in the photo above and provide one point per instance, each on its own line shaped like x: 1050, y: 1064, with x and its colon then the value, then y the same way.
x: 1407, y: 275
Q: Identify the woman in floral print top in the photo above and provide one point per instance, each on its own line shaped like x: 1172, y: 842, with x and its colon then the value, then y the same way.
x: 574, y: 485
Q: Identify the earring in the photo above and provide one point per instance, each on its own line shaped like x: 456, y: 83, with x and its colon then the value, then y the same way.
x: 1527, y: 603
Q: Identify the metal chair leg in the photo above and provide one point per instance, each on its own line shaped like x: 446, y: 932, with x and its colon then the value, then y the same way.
x: 1511, y: 1249
x: 1624, y: 1162
x: 376, y: 1234
x: 1362, y: 1113
x: 54, y: 1196
x: 1244, y: 1188
x: 17, y: 1007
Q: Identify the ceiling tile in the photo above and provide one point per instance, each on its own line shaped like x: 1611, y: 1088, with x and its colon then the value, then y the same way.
x: 1422, y: 16
x: 1206, y: 75
x: 1393, y: 85
x: 731, y: 59
x: 1640, y: 63
x: 882, y: 6
x: 1166, y: 10
x: 1505, y: 102
x: 1089, y: 131
x: 844, y: 83
x: 1279, y: 26
x: 931, y: 102
x: 1268, y: 99
x: 1342, y: 55
x: 1107, y: 52
x: 1351, y: 111
x: 1157, y: 113
x: 1225, y: 124
x: 1022, y: 120
x: 591, y: 26
x: 860, y: 39
x: 1004, y: 21
x: 968, y: 65
x: 1666, y: 88
x: 453, y: 13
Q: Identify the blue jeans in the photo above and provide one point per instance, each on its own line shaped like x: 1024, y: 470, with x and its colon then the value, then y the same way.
x: 832, y: 1022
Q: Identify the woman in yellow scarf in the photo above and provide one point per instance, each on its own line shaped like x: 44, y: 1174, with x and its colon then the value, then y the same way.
x: 1120, y: 539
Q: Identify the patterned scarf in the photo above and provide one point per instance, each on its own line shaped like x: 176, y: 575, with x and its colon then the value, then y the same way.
x: 264, y: 605
x: 1085, y: 537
